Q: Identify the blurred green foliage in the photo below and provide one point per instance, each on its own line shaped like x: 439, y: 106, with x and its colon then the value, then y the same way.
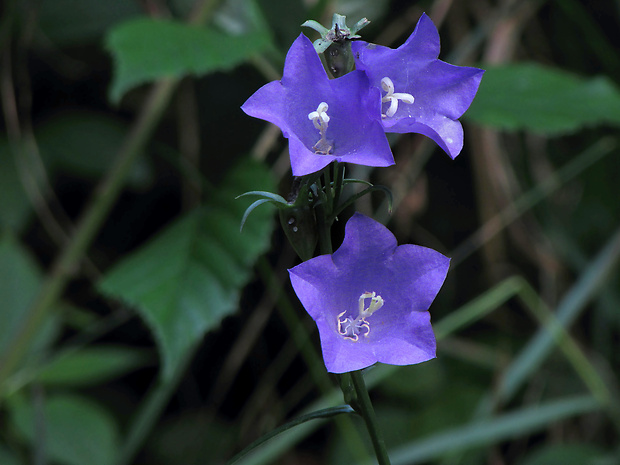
x: 529, y: 210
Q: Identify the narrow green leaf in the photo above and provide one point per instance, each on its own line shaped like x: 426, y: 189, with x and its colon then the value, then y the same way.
x: 188, y: 278
x: 537, y: 349
x: 543, y: 100
x: 90, y: 366
x: 319, y: 414
x: 77, y: 431
x: 148, y: 49
x: 493, y: 430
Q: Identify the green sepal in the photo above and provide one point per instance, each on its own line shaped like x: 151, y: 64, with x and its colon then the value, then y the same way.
x: 296, y: 217
x: 359, y: 25
x: 249, y: 210
x: 318, y: 27
x: 270, y: 197
x: 356, y: 181
x: 339, y: 33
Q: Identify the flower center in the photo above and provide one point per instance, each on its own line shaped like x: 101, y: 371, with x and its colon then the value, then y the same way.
x: 392, y: 97
x: 320, y: 119
x: 351, y: 328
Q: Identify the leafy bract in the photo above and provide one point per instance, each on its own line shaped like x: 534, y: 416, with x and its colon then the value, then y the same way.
x: 188, y: 278
x: 543, y: 100
x: 148, y: 49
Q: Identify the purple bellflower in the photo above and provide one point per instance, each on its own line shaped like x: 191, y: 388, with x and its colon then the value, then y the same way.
x: 324, y: 119
x: 370, y: 298
x: 420, y: 93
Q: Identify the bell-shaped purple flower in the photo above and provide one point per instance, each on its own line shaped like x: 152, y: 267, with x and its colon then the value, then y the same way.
x: 324, y: 119
x: 370, y: 298
x: 420, y: 93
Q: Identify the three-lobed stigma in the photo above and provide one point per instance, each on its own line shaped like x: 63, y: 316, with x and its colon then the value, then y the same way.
x: 351, y: 328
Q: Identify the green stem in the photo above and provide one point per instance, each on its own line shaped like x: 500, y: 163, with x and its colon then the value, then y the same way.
x: 364, y: 405
x: 312, y: 359
x: 323, y: 224
x: 348, y: 390
x: 329, y: 193
x: 324, y: 413
x: 352, y: 384
x: 338, y: 182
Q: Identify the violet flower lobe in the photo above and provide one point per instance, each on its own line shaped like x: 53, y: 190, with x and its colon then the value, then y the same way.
x: 370, y: 298
x: 324, y: 119
x: 420, y: 93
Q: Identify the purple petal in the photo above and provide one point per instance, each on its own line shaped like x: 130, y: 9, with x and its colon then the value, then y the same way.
x: 442, y: 92
x: 353, y: 107
x: 407, y: 278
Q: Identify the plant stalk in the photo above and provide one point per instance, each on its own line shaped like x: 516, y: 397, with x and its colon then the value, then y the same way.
x: 366, y: 410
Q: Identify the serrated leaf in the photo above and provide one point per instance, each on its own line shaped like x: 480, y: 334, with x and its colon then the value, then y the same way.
x: 148, y: 49
x: 189, y: 277
x: 77, y: 431
x: 543, y: 100
x: 91, y: 365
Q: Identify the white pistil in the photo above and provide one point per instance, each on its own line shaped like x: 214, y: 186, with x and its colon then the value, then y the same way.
x: 351, y: 328
x: 320, y: 119
x: 393, y: 97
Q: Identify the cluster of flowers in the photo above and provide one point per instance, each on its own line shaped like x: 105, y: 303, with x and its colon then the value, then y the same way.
x: 370, y: 298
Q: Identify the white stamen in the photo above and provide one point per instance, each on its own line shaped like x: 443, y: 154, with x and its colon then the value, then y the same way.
x: 320, y: 119
x: 351, y: 328
x: 393, y: 97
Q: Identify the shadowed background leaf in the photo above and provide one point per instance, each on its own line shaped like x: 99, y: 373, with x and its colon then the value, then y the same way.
x: 188, y: 278
x: 543, y: 100
x: 148, y: 49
